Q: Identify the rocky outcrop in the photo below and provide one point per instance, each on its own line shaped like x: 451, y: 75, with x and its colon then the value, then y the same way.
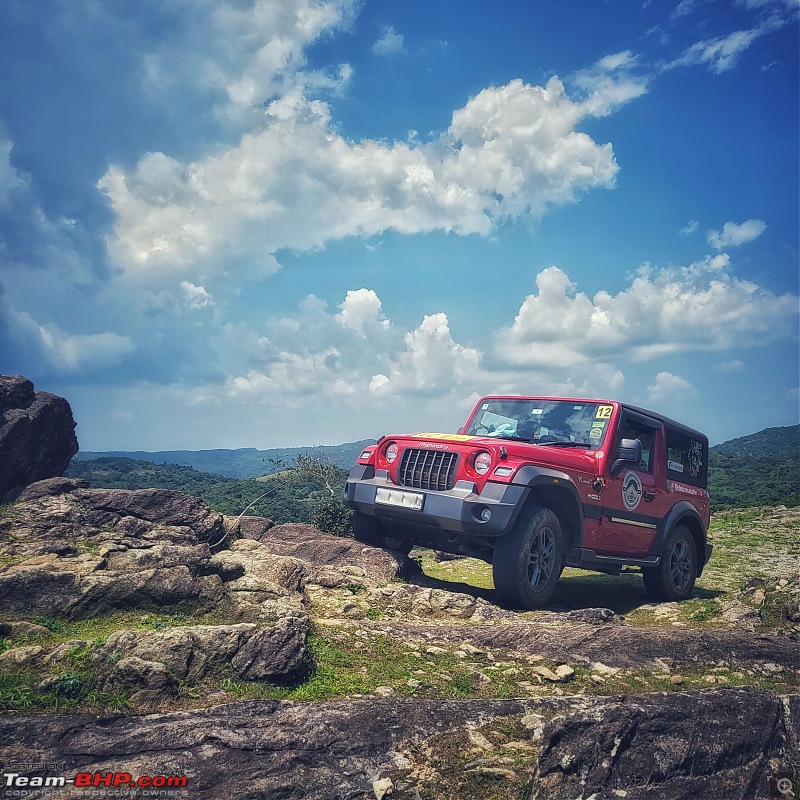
x: 721, y: 745
x: 304, y: 541
x: 616, y: 645
x: 74, y: 553
x: 206, y: 609
x: 92, y: 552
x: 37, y: 435
x: 711, y: 745
x: 149, y: 664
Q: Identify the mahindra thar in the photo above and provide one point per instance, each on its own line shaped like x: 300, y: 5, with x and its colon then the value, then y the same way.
x: 535, y: 484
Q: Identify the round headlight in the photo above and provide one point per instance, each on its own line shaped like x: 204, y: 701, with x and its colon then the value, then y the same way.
x: 483, y: 461
x: 391, y: 453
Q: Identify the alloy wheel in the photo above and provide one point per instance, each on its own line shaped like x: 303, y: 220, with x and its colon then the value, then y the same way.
x: 680, y: 565
x: 542, y: 558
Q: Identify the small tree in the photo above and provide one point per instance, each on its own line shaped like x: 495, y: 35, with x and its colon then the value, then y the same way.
x: 329, y: 514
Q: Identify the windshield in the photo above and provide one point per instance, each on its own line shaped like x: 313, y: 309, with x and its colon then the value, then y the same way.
x: 558, y: 422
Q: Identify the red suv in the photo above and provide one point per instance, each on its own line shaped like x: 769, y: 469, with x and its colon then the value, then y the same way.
x: 534, y: 484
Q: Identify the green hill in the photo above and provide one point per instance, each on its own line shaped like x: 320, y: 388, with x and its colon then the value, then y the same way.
x: 242, y: 464
x: 287, y: 498
x: 760, y: 469
x: 772, y: 443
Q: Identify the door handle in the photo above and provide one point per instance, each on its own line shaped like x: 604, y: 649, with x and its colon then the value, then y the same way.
x: 649, y: 496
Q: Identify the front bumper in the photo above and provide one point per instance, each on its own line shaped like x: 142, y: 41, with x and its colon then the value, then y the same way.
x: 459, y: 510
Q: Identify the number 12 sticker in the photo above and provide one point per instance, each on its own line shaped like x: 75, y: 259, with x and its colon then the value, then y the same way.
x: 604, y: 412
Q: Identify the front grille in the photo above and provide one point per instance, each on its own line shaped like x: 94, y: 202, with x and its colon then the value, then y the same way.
x: 428, y: 469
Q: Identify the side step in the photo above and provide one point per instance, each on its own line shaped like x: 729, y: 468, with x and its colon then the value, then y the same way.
x: 589, y: 559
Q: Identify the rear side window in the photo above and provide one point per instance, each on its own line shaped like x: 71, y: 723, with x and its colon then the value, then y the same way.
x: 687, y: 457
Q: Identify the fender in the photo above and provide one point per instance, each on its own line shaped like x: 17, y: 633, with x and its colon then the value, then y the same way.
x: 679, y: 511
x: 533, y: 476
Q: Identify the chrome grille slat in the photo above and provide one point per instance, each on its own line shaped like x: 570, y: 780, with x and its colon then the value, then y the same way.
x: 428, y: 469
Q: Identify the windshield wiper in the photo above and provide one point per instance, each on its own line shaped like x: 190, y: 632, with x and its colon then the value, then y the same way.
x: 511, y: 438
x: 583, y: 445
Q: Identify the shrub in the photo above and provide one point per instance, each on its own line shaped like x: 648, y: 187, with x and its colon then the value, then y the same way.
x: 331, y: 515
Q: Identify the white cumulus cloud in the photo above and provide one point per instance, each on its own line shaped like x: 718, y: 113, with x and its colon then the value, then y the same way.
x: 668, y: 386
x: 390, y: 43
x: 236, y: 56
x: 733, y: 235
x: 196, y: 296
x: 10, y: 179
x: 701, y: 307
x: 297, y: 183
x: 361, y: 308
x: 66, y: 352
x: 346, y: 356
x: 561, y: 342
x: 432, y: 363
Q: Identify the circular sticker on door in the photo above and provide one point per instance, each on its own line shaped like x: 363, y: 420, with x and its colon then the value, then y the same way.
x: 631, y: 491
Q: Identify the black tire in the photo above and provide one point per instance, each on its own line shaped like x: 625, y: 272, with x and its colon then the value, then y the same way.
x: 397, y: 545
x: 368, y: 530
x: 673, y: 579
x: 528, y: 560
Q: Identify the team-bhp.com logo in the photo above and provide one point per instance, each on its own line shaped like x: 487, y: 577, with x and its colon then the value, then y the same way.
x: 118, y: 780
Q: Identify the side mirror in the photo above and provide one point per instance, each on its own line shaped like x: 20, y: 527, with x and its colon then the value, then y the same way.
x: 629, y: 452
x: 460, y: 430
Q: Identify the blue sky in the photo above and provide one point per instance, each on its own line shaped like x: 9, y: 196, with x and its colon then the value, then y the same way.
x: 262, y: 223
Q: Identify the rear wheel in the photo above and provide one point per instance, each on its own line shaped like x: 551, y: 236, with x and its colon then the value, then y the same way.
x: 673, y: 579
x: 368, y: 530
x: 527, y: 562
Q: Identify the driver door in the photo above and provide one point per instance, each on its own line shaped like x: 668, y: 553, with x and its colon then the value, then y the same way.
x: 631, y: 498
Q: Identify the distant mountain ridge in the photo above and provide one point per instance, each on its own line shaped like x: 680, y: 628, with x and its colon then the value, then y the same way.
x: 243, y: 463
x: 769, y: 443
x: 760, y: 469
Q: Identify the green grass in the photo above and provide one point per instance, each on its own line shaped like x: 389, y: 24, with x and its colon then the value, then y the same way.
x: 470, y: 571
x: 22, y: 690
x: 751, y: 542
x: 747, y: 543
x: 72, y: 687
x: 60, y: 629
x: 52, y: 624
x: 343, y: 664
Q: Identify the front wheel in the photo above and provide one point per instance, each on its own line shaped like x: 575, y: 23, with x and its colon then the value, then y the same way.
x: 527, y: 562
x: 367, y: 529
x: 673, y: 579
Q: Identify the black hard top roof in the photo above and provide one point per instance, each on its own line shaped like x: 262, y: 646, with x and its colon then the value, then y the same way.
x: 644, y: 411
x: 667, y: 421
